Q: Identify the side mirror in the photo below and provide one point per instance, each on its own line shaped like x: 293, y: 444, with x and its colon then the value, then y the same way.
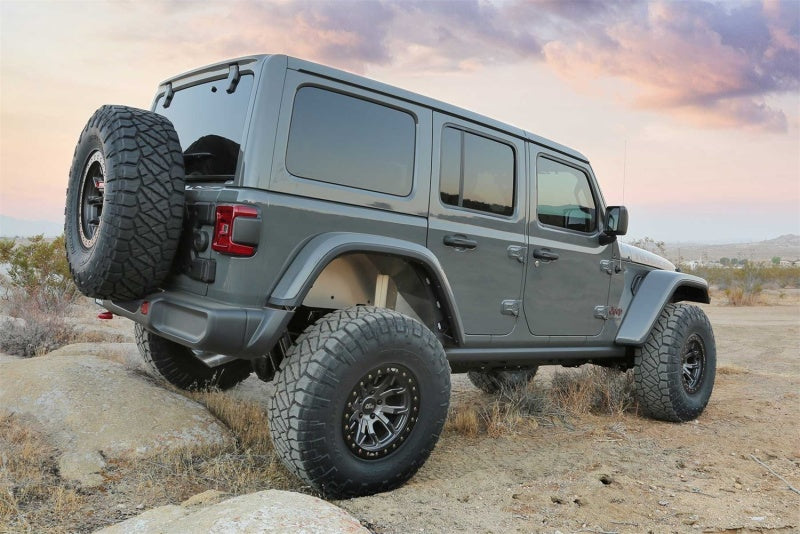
x: 616, y: 220
x: 616, y: 224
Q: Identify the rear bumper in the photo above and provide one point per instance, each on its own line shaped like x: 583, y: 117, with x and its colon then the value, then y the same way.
x: 203, y: 324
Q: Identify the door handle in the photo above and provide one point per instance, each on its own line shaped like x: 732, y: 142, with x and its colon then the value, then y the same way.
x: 544, y: 254
x: 459, y: 241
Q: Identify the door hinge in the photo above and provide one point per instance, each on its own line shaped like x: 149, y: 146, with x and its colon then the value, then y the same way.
x: 518, y: 252
x: 601, y: 312
x: 510, y: 307
x: 611, y: 266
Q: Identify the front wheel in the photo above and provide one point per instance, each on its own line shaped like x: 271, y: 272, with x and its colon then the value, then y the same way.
x: 674, y: 370
x: 360, y: 401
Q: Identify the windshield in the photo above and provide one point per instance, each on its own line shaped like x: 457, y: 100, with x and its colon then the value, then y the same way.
x: 210, y: 125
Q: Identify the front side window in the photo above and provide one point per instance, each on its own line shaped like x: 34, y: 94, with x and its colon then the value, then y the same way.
x: 564, y: 197
x: 476, y: 173
x: 340, y: 139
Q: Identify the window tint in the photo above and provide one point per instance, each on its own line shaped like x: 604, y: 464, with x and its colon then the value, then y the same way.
x: 210, y: 124
x: 343, y: 140
x: 564, y: 197
x: 476, y: 173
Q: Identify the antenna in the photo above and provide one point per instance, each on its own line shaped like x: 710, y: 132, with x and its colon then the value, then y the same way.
x: 624, y: 169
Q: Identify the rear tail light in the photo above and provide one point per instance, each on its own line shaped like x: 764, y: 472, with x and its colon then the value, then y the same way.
x: 223, y: 241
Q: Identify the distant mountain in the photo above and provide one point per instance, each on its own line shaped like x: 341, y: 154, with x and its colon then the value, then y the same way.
x: 786, y: 247
x: 11, y: 227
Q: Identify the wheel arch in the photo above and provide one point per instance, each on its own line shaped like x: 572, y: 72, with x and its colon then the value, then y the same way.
x: 323, y: 252
x: 658, y: 289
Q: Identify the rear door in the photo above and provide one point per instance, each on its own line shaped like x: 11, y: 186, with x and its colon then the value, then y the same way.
x: 477, y: 212
x: 568, y: 269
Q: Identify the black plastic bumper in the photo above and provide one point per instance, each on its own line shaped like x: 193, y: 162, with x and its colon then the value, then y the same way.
x: 203, y: 324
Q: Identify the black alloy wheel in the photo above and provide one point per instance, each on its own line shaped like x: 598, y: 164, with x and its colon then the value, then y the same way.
x: 694, y: 363
x: 381, y: 411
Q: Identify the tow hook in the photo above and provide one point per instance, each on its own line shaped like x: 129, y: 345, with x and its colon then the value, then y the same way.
x: 105, y: 315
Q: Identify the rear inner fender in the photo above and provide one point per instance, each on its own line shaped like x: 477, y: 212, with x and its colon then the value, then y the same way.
x: 359, y: 279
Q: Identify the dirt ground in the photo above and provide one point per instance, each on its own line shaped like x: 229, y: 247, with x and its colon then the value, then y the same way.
x: 604, y: 474
x: 627, y: 473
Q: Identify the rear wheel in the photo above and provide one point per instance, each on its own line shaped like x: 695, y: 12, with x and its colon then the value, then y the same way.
x: 674, y: 370
x: 177, y: 364
x: 125, y: 198
x: 360, y: 401
x: 496, y: 380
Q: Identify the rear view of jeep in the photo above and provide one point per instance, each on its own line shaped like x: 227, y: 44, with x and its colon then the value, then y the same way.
x: 354, y: 243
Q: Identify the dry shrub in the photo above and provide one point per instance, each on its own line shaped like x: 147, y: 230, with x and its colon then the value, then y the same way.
x: 39, y: 290
x: 593, y: 389
x: 739, y: 296
x: 589, y: 390
x: 36, y: 331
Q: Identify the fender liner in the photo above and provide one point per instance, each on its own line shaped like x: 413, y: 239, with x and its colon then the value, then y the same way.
x: 297, y: 280
x: 655, y: 292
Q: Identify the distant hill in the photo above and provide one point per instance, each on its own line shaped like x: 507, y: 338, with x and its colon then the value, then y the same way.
x: 11, y: 227
x: 786, y: 247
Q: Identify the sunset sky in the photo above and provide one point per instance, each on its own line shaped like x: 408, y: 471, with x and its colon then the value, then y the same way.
x: 704, y: 95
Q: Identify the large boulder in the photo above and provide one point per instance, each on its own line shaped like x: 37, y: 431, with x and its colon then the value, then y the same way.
x: 262, y: 512
x: 94, y: 409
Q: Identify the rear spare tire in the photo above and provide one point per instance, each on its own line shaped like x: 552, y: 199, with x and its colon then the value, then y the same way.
x: 125, y: 197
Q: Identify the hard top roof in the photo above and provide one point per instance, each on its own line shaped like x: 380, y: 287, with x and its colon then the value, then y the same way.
x: 390, y: 90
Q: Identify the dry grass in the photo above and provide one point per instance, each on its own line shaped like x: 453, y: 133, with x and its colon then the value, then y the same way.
x: 731, y: 369
x: 589, y: 390
x: 32, y: 497
x: 464, y: 420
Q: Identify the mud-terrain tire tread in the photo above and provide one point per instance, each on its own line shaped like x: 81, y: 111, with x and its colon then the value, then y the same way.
x: 142, y: 214
x: 658, y: 384
x: 493, y: 381
x: 308, y: 377
x: 178, y: 366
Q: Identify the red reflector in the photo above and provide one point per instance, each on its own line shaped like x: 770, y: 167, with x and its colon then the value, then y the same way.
x: 105, y: 315
x: 144, y: 308
x: 223, y: 230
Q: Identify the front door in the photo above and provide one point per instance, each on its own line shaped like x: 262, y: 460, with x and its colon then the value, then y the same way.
x: 477, y: 211
x: 568, y: 275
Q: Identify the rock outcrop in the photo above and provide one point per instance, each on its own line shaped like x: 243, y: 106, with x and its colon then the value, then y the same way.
x: 93, y: 409
x: 263, y: 512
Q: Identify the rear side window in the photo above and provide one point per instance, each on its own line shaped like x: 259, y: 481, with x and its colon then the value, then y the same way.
x: 476, y: 173
x: 343, y: 140
x: 564, y: 197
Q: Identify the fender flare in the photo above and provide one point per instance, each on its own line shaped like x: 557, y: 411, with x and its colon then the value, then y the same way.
x: 657, y: 290
x: 312, y: 259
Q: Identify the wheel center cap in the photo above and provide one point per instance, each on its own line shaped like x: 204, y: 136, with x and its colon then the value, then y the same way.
x: 368, y: 406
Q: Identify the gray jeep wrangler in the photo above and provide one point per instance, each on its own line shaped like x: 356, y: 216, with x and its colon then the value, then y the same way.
x: 356, y: 243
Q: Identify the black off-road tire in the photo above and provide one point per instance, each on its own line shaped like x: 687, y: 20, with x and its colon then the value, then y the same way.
x: 121, y: 237
x: 493, y: 381
x: 177, y: 365
x: 667, y: 383
x: 340, y: 355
